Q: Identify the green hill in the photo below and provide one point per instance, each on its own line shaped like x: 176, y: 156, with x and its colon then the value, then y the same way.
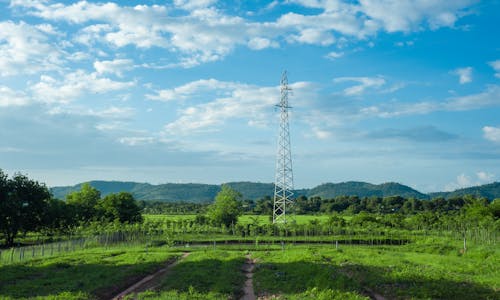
x: 363, y: 189
x: 197, y: 193
x: 490, y: 191
x: 105, y: 187
x: 171, y: 192
x: 194, y: 192
x: 253, y: 190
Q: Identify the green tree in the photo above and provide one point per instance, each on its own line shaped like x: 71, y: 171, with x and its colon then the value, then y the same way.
x: 85, y: 202
x: 495, y: 208
x: 22, y: 205
x: 264, y: 206
x: 58, y: 216
x: 121, y: 206
x: 227, y: 207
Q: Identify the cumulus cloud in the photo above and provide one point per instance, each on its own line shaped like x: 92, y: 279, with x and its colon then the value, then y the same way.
x: 205, y: 33
x: 194, y: 4
x: 194, y: 88
x: 27, y: 49
x: 334, y: 55
x: 320, y: 134
x: 485, y: 176
x: 463, y: 180
x: 9, y: 97
x: 488, y: 98
x: 491, y: 133
x: 410, y: 15
x: 117, y: 66
x: 241, y: 101
x: 364, y: 83
x: 135, y: 141
x: 464, y: 75
x: 224, y: 100
x: 496, y: 66
x: 73, y: 85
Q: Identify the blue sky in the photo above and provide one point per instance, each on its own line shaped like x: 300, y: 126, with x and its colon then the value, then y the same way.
x: 183, y: 91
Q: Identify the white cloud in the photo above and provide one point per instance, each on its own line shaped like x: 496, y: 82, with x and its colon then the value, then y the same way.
x: 496, y: 66
x: 491, y: 133
x: 406, y: 43
x: 26, y: 49
x: 364, y: 84
x: 240, y: 101
x: 73, y: 85
x: 320, y: 133
x: 193, y: 88
x: 489, y: 97
x: 194, y: 4
x: 259, y: 43
x: 117, y: 66
x: 9, y: 97
x: 463, y: 180
x: 411, y: 15
x: 206, y: 34
x: 135, y: 141
x: 485, y: 177
x: 334, y: 55
x: 464, y: 74
x: 223, y: 100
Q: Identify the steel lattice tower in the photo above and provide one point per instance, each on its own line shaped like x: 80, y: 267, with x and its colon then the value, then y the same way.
x: 283, y: 184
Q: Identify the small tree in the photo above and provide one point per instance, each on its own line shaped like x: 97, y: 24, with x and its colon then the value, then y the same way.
x: 121, y: 206
x: 227, y: 207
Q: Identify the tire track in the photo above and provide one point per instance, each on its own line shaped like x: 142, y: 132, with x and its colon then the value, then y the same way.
x: 151, y: 281
x: 248, y: 267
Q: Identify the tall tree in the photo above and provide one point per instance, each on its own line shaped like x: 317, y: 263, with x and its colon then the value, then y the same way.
x: 22, y: 205
x: 85, y: 202
x: 227, y: 207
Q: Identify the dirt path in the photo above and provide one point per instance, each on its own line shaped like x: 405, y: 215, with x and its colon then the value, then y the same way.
x: 151, y: 281
x: 248, y: 267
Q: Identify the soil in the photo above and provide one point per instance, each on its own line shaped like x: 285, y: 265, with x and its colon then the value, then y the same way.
x: 150, y: 282
x: 248, y: 267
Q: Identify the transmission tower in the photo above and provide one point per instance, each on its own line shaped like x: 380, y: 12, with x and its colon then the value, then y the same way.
x: 283, y: 184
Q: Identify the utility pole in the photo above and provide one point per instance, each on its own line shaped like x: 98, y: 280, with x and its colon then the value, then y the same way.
x: 283, y: 185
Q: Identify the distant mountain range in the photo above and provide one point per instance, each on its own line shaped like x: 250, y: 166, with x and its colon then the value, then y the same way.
x: 194, y: 192
x: 490, y: 191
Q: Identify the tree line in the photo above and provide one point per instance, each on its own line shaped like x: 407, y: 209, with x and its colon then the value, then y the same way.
x: 27, y: 205
x: 340, y: 204
x: 378, y: 205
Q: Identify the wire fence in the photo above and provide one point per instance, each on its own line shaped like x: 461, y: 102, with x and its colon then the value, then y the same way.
x: 168, y: 237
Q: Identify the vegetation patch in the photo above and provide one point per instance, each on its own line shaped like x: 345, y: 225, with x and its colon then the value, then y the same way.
x: 86, y: 274
x: 204, y: 274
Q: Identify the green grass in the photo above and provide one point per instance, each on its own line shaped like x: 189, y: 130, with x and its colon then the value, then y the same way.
x: 244, y: 219
x: 297, y: 273
x: 429, y: 268
x: 165, y: 217
x: 394, y: 272
x: 84, y: 274
x: 204, y: 274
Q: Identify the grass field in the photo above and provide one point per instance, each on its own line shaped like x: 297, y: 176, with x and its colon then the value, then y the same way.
x: 244, y: 219
x: 415, y: 271
x: 315, y: 272
x: 95, y: 273
x: 429, y: 266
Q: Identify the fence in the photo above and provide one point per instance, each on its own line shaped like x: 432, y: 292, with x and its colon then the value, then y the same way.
x: 186, y: 235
